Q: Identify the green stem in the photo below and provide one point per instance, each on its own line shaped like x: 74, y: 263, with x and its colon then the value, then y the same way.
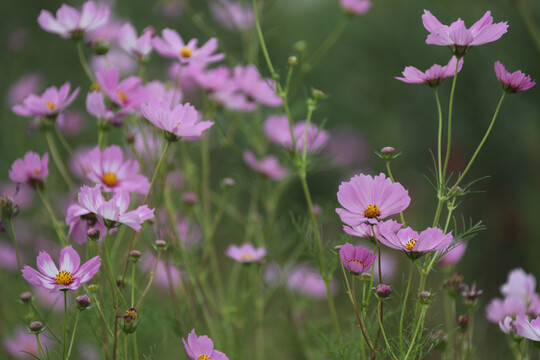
x: 40, y: 348
x: 84, y: 64
x: 68, y: 148
x: 384, y: 335
x: 261, y: 39
x: 481, y: 143
x: 439, y: 141
x: 65, y: 325
x: 73, y: 334
x: 328, y: 42
x: 56, y: 225
x: 422, y: 315
x: 403, y: 307
x: 132, y: 285
x: 158, y: 166
x: 58, y: 161
x: 135, y: 349
x: 365, y: 334
x: 530, y: 24
x: 449, y: 139
x: 15, y: 244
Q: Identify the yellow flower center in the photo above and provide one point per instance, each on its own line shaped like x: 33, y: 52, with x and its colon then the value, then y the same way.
x: 185, y: 52
x: 203, y: 357
x: 248, y: 257
x: 410, y: 244
x: 63, y: 278
x: 109, y: 179
x: 131, y: 314
x: 122, y: 95
x: 372, y: 211
x: 35, y: 171
x: 50, y: 105
x: 95, y: 87
x: 356, y: 261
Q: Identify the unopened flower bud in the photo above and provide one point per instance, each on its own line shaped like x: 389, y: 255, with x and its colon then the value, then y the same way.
x: 7, y: 207
x: 337, y: 247
x: 93, y: 234
x: 161, y: 244
x: 26, y: 296
x: 134, y: 256
x: 100, y: 47
x: 83, y: 302
x: 387, y: 150
x: 383, y: 291
x: 228, y: 182
x: 317, y: 94
x: 463, y: 321
x: 190, y: 198
x: 425, y: 294
x: 292, y: 61
x: 424, y: 298
x: 36, y: 327
x: 453, y: 285
x: 129, y: 320
x: 365, y: 277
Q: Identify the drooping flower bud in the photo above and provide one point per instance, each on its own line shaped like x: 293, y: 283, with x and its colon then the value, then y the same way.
x: 383, y: 291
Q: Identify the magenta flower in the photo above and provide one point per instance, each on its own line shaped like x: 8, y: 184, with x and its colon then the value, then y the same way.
x: 69, y: 277
x: 233, y: 15
x: 172, y: 46
x: 498, y: 309
x: 368, y: 199
x: 95, y: 105
x: 31, y: 170
x: 364, y: 230
x: 70, y: 23
x: 269, y: 166
x: 182, y: 121
x: 356, y: 258
x: 356, y: 7
x: 458, y: 36
x: 528, y: 329
x: 22, y: 343
x: 414, y: 244
x: 519, y: 284
x: 50, y: 103
x: 452, y: 257
x: 139, y: 47
x: 113, y: 212
x: 24, y: 86
x: 433, y: 76
x: 278, y: 131
x: 246, y: 253
x: 202, y: 348
x: 109, y: 169
x: 80, y: 221
x: 128, y: 93
x: 218, y: 79
x: 248, y: 81
x: 513, y: 82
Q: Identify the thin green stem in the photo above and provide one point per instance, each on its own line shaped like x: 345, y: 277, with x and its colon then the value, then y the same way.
x: 84, y: 64
x: 58, y: 161
x: 449, y: 139
x: 56, y: 224
x: 384, y: 335
x: 132, y: 285
x: 261, y: 38
x: 439, y: 140
x: 15, y: 243
x: 68, y: 148
x: 481, y: 143
x: 413, y: 341
x: 135, y: 349
x: 73, y: 334
x: 403, y: 307
x: 359, y: 317
x: 328, y: 42
x: 150, y: 281
x: 311, y: 108
x: 40, y: 348
x: 158, y: 166
x: 65, y: 325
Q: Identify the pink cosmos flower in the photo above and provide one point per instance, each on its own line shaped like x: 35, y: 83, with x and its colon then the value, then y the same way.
x: 528, y: 329
x: 159, y: 91
x: 31, y: 170
x: 278, y: 131
x: 246, y: 253
x: 24, y: 86
x: 368, y: 199
x: 116, y: 58
x: 172, y: 46
x: 70, y: 23
x: 356, y: 258
x: 365, y: 231
x: 498, y: 309
x: 433, y: 76
x: 139, y: 47
x: 233, y: 15
x: 458, y: 36
x: 95, y: 105
x: 248, y: 81
x: 519, y: 284
x: 414, y: 244
x: 356, y: 7
x: 22, y: 342
x: 202, y: 347
x: 128, y: 93
x: 69, y: 277
x: 307, y: 281
x: 218, y: 79
x: 508, y: 325
x: 50, y: 103
x: 453, y: 256
x: 80, y: 221
x: 182, y: 121
x: 113, y: 212
x: 269, y: 166
x: 109, y: 169
x: 513, y: 82
x: 71, y: 122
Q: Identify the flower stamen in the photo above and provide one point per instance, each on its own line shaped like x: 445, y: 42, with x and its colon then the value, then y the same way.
x: 63, y: 277
x: 372, y: 211
x: 203, y: 357
x: 410, y: 244
x: 109, y: 179
x: 50, y: 105
x: 122, y: 95
x: 185, y: 52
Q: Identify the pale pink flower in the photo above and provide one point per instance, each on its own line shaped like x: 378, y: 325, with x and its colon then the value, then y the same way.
x: 159, y: 91
x: 95, y: 105
x: 233, y: 15
x: 109, y: 169
x: 519, y: 284
x: 202, y: 348
x: 113, y: 212
x: 22, y: 342
x: 128, y: 93
x: 50, y: 103
x: 433, y: 76
x: 307, y: 281
x: 31, y: 170
x: 412, y: 243
x: 370, y: 199
x: 115, y: 58
x: 70, y: 276
x: 71, y: 23
x: 248, y: 80
x: 452, y: 257
x: 508, y: 325
x: 172, y: 46
x: 356, y: 7
x: 513, y: 82
x: 80, y: 221
x: 163, y: 272
x: 347, y: 146
x: 24, y: 86
x: 218, y: 79
x: 106, y: 33
x: 269, y: 166
x: 139, y: 47
x: 278, y: 131
x: 458, y: 36
x: 246, y: 253
x: 365, y: 230
x: 529, y: 329
x: 8, y: 257
x: 498, y: 309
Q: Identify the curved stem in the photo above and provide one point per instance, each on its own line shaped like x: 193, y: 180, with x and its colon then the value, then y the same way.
x: 15, y: 244
x: 150, y: 281
x: 328, y: 42
x: 73, y: 334
x: 58, y: 161
x: 422, y: 315
x: 481, y: 143
x: 261, y: 38
x: 84, y: 64
x: 403, y: 307
x: 158, y: 166
x: 449, y: 139
x: 360, y: 321
x: 384, y: 336
x: 40, y: 348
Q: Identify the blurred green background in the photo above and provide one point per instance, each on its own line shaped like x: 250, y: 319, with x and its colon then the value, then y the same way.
x: 358, y: 77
